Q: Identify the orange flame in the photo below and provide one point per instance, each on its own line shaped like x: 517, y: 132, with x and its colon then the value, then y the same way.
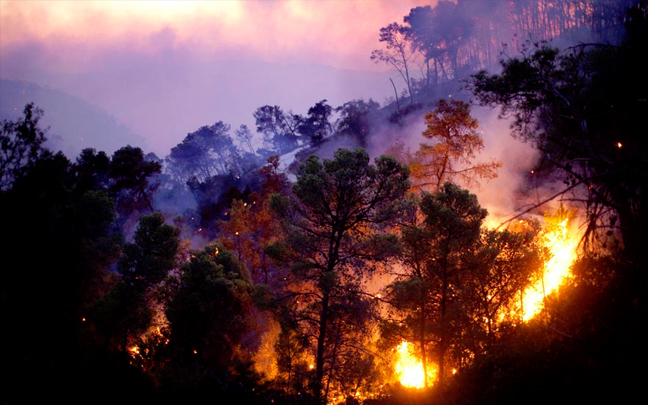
x: 409, y: 369
x: 562, y: 245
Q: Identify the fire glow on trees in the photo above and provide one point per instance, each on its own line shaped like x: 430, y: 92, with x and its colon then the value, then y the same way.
x: 561, y: 241
x: 409, y: 369
x: 562, y: 244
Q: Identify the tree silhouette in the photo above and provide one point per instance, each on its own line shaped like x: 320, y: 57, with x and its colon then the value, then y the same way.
x: 204, y: 153
x: 584, y: 109
x: 208, y: 312
x: 316, y: 125
x: 279, y: 128
x: 131, y: 177
x: 397, y: 53
x: 20, y: 145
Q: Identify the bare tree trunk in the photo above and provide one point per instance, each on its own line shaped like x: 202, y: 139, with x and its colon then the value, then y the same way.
x: 395, y: 93
x: 319, y: 369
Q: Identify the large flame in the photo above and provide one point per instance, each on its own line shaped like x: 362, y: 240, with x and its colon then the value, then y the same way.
x: 562, y: 243
x: 562, y: 247
x: 409, y: 369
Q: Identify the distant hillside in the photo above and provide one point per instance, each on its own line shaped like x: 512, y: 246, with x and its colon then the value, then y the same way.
x: 73, y: 124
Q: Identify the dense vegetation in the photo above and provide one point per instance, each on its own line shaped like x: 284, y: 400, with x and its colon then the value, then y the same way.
x: 271, y: 291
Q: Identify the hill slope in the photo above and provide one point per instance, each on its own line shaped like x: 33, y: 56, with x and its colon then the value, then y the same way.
x: 72, y: 123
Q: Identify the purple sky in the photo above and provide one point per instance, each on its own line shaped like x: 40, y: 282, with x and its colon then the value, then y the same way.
x: 164, y: 68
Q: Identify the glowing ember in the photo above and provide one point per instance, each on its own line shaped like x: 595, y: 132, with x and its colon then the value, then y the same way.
x: 562, y: 247
x: 408, y: 368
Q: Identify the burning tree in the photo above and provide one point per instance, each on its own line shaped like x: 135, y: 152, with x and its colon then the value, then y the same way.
x: 458, y: 282
x: 504, y: 265
x: 335, y: 226
x: 435, y: 256
x: 251, y: 225
x: 126, y: 311
x: 585, y: 110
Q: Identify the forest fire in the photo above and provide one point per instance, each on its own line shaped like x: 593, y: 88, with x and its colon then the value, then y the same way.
x: 560, y: 241
x: 322, y: 252
x: 409, y: 369
x: 561, y: 244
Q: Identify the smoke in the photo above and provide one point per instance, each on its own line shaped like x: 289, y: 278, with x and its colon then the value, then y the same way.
x: 165, y: 68
x: 503, y: 196
x: 386, y: 135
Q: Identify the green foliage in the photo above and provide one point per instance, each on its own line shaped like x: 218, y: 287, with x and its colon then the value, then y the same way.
x: 208, y: 313
x: 20, y: 145
x: 453, y: 217
x: 263, y: 298
x: 429, y: 298
x: 147, y: 262
x: 131, y: 180
x: 334, y: 228
x: 316, y: 125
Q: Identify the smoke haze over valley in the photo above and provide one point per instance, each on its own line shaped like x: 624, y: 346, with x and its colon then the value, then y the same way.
x: 164, y: 68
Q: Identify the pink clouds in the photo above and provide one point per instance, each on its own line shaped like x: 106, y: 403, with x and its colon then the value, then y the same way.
x: 337, y: 33
x: 164, y: 68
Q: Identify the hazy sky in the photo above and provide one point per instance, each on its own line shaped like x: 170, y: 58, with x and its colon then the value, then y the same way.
x: 166, y: 67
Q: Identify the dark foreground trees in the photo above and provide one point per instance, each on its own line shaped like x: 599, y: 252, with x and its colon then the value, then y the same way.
x: 58, y: 236
x: 585, y: 110
x: 333, y: 224
x: 208, y: 312
x: 20, y: 145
